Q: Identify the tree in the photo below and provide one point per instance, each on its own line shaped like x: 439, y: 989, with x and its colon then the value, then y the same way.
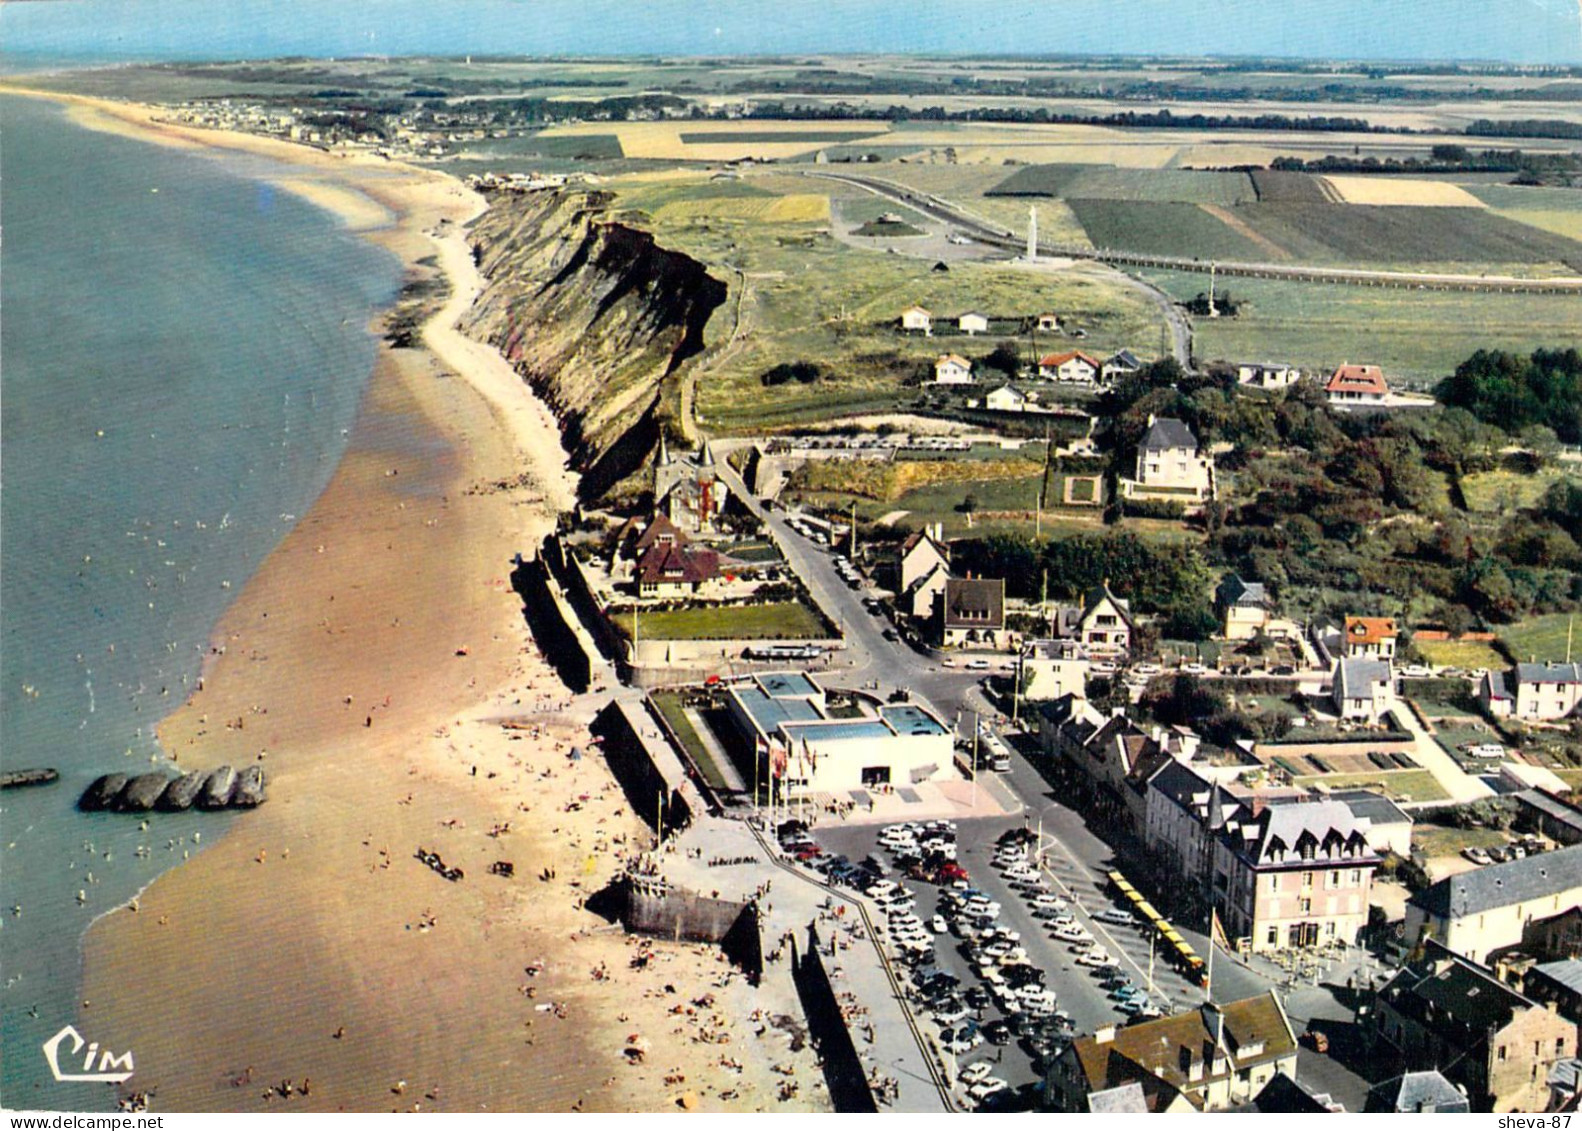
x: 1541, y: 443
x: 1005, y: 358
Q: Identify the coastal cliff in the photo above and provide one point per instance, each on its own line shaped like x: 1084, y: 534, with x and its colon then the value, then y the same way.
x: 596, y: 316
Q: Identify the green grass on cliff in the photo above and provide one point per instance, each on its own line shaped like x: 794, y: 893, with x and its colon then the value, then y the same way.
x: 797, y: 293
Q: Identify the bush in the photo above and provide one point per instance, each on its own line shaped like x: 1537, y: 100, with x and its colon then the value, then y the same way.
x: 805, y: 372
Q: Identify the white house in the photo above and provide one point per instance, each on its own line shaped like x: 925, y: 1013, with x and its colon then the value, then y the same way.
x: 1268, y: 375
x: 920, y: 554
x: 1545, y: 692
x: 1244, y: 607
x: 973, y: 323
x: 1357, y: 385
x: 917, y: 318
x: 1369, y: 638
x: 1073, y: 366
x: 1102, y: 626
x: 1005, y: 399
x: 1122, y: 364
x: 1048, y: 669
x: 1363, y: 690
x: 952, y: 369
x: 1170, y: 465
x: 921, y: 596
x: 1048, y: 324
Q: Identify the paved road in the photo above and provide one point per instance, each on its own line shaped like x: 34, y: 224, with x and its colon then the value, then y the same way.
x: 986, y: 232
x: 1427, y: 753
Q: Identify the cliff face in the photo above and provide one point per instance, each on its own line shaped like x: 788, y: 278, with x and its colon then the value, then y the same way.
x: 595, y: 314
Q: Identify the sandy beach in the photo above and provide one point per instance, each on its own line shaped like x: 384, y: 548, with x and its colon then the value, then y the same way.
x: 379, y: 666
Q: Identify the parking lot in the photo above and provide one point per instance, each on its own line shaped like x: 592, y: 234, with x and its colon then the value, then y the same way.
x: 1000, y: 915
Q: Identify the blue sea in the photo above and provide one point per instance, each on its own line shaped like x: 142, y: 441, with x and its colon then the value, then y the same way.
x: 182, y: 349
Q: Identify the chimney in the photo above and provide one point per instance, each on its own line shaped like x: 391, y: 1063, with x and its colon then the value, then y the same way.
x: 1214, y: 1021
x: 1104, y: 1035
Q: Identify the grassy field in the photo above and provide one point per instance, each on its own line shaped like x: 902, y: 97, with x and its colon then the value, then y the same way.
x: 1417, y: 335
x: 1465, y: 654
x: 1163, y: 228
x: 1543, y: 638
x: 1099, y: 182
x: 1372, y: 234
x: 1502, y: 491
x: 1412, y: 785
x: 785, y: 620
x: 1439, y: 840
x: 1292, y: 188
x: 669, y: 705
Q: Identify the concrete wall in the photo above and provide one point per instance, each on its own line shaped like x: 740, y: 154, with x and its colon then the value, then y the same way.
x: 651, y: 774
x: 552, y: 624
x: 843, y: 1070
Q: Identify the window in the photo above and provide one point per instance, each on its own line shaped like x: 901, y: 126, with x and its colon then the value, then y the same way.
x: 1502, y: 1053
x: 1305, y: 906
x: 1356, y: 877
x: 1560, y: 1046
x: 1273, y: 938
x: 1274, y: 883
x: 1307, y: 877
x: 1329, y: 928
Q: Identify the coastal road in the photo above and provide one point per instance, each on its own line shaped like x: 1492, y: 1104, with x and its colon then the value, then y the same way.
x: 984, y: 231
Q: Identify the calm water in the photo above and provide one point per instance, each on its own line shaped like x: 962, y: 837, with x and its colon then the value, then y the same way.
x: 182, y: 352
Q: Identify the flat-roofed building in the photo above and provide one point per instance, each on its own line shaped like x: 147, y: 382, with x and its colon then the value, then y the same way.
x: 783, y: 720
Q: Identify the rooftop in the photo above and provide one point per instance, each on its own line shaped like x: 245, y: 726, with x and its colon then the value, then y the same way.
x: 1567, y: 973
x: 767, y: 714
x: 781, y: 685
x: 1454, y: 995
x: 836, y: 730
x: 1500, y: 885
x: 1357, y: 379
x: 1549, y: 673
x: 1354, y: 678
x: 1374, y: 807
x: 1300, y: 833
x: 908, y: 718
x: 1370, y: 630
x: 1166, y: 433
x: 1417, y: 1092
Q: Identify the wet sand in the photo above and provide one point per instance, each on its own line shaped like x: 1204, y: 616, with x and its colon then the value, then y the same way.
x: 370, y: 665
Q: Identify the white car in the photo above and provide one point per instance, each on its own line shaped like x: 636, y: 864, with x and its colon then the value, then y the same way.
x: 1146, y: 669
x: 1095, y: 957
x: 938, y: 925
x: 985, y: 1088
x: 1070, y: 932
x: 975, y: 1071
x: 978, y: 665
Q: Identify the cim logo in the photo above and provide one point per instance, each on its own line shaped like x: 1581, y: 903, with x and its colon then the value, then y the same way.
x: 101, y: 1074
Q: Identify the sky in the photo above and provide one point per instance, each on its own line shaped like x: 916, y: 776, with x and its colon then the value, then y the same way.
x: 1528, y: 31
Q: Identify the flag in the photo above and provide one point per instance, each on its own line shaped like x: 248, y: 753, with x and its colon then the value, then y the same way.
x: 1217, y: 930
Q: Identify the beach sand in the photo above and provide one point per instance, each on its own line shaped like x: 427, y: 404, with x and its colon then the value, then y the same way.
x: 372, y: 663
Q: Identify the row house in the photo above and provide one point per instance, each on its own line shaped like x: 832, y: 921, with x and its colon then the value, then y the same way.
x: 1293, y: 876
x: 1212, y: 1058
x: 1444, y: 1012
x: 1487, y: 910
x: 1533, y: 692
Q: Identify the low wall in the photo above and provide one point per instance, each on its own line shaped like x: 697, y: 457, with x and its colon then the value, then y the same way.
x: 843, y: 1070
x: 655, y: 908
x: 670, y: 663
x: 551, y: 624
x: 650, y: 773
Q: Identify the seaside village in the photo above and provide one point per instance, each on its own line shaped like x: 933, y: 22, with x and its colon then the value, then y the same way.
x: 1013, y: 850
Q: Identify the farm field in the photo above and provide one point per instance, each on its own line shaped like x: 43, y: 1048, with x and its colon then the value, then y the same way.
x: 1401, y: 191
x: 719, y: 141
x: 1418, y: 337
x: 1106, y: 183
x: 1543, y: 638
x: 1164, y: 228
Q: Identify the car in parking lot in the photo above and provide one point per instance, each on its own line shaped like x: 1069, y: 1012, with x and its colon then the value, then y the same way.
x: 962, y: 1039
x: 985, y: 1088
x: 1114, y: 915
x: 975, y: 1071
x: 1094, y: 958
x: 1070, y: 932
x: 997, y: 1032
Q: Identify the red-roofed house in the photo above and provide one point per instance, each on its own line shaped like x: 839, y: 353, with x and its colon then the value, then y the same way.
x: 1357, y: 384
x: 1073, y: 365
x: 1370, y: 638
x: 670, y: 570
